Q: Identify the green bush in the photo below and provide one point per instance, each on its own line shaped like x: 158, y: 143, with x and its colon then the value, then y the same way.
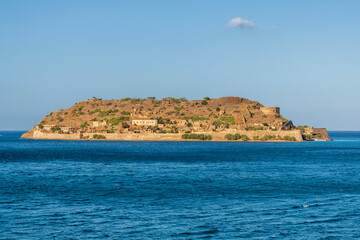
x: 125, y: 113
x: 204, y: 102
x: 196, y: 136
x: 55, y: 129
x: 265, y: 124
x: 288, y: 138
x: 268, y: 137
x: 245, y: 138
x: 254, y: 128
x: 125, y: 125
x: 229, y: 119
x: 195, y: 118
x: 41, y: 126
x: 85, y: 124
x: 116, y: 121
x: 236, y: 136
x: 218, y: 123
x: 98, y: 136
x: 106, y: 113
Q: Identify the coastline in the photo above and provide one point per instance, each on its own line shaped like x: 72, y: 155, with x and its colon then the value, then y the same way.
x: 253, y: 136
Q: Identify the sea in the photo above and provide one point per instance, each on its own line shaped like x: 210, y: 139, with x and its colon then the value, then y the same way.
x: 52, y: 189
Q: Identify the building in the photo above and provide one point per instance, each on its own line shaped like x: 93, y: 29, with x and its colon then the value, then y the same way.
x: 145, y: 122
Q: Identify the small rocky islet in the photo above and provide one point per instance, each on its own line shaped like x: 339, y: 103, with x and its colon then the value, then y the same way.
x: 172, y: 119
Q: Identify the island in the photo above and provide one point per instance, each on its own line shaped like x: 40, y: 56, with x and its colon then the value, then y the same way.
x: 172, y: 119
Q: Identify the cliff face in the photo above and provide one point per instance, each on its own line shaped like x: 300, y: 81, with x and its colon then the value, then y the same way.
x: 170, y: 119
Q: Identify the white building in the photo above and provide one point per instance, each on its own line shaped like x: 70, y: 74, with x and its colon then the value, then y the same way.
x: 145, y: 122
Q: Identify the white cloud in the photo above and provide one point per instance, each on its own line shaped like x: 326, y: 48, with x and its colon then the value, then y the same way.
x: 239, y: 22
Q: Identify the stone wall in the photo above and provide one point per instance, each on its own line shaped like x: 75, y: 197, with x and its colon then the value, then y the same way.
x: 324, y: 133
x: 217, y: 136
x: 57, y: 136
x: 270, y: 110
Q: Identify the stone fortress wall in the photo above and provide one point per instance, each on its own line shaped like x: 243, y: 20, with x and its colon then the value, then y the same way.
x: 217, y: 136
x: 270, y: 110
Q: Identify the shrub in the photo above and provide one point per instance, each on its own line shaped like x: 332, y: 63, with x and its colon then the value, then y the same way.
x: 218, y: 123
x: 55, y: 129
x: 106, y: 113
x: 268, y: 137
x: 125, y: 113
x: 204, y: 102
x: 195, y: 118
x: 196, y: 136
x: 229, y: 119
x: 41, y: 126
x: 125, y: 125
x: 218, y: 109
x: 206, y: 98
x: 256, y: 137
x: 245, y: 138
x: 85, y: 124
x: 116, y: 121
x: 230, y: 137
x: 265, y: 124
x: 288, y: 138
x: 162, y: 120
x: 111, y: 130
x: 236, y: 136
x: 98, y: 136
x: 254, y: 128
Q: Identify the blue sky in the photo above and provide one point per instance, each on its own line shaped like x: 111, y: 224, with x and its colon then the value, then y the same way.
x: 302, y: 56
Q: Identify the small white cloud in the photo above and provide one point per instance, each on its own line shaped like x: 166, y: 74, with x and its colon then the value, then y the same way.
x: 239, y: 22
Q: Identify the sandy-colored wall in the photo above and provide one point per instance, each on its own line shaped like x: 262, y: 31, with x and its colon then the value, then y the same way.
x: 138, y: 136
x: 270, y: 110
x: 40, y: 135
x: 217, y: 136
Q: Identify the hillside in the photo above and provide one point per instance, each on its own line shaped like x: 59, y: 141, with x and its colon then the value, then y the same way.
x: 172, y: 119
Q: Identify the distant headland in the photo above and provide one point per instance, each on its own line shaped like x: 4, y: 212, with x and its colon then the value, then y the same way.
x: 172, y: 119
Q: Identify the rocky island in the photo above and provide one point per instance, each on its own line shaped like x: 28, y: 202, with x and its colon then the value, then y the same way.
x: 171, y: 119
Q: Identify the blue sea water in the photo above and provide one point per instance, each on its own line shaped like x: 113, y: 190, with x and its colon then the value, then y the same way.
x: 179, y: 190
